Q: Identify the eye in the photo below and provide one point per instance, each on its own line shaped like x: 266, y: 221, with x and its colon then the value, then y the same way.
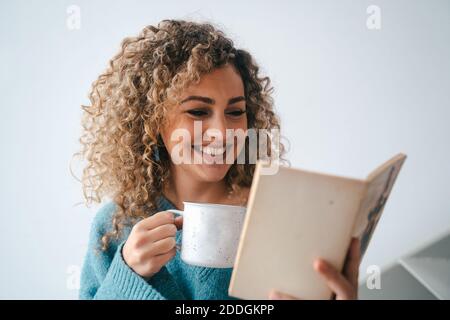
x: 197, y: 112
x: 236, y: 113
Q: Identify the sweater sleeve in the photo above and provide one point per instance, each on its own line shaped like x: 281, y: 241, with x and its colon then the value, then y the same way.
x: 106, y: 276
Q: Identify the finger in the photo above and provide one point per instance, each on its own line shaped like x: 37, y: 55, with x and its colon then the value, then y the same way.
x: 351, y: 268
x: 179, y: 222
x: 161, y: 232
x: 277, y: 295
x: 160, y: 247
x: 335, y: 280
x: 159, y: 218
x: 162, y: 259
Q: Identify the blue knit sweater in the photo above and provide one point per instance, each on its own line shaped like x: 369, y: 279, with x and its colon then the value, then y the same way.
x: 105, y: 275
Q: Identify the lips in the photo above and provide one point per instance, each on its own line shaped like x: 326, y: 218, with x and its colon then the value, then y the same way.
x: 210, y: 150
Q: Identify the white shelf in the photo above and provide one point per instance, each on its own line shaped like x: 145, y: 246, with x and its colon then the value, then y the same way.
x: 432, y: 273
x: 425, y: 274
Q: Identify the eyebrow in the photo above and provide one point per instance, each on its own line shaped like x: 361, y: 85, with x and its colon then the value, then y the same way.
x: 211, y: 101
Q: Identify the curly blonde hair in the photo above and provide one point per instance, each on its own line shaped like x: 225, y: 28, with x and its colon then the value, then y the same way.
x: 128, y: 105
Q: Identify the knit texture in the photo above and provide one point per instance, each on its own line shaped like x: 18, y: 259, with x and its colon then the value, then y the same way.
x: 105, y: 275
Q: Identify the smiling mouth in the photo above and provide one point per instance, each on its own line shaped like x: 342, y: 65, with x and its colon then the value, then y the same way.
x: 212, y: 151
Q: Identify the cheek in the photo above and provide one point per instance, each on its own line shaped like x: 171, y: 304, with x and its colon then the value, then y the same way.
x: 245, y: 124
x: 240, y: 124
x: 239, y: 141
x: 178, y: 132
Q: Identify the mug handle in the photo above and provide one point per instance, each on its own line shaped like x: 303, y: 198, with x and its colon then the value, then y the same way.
x: 175, y: 211
x: 180, y: 212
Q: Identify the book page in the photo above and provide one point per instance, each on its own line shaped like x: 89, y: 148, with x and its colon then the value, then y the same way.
x: 379, y: 186
x: 294, y: 217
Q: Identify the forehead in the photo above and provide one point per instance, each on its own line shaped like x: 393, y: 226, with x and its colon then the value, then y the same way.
x: 224, y: 81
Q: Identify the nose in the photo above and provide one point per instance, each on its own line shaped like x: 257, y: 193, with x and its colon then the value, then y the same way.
x: 215, y: 128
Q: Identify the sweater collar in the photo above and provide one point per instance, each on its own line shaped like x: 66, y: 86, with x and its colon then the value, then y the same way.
x: 164, y: 204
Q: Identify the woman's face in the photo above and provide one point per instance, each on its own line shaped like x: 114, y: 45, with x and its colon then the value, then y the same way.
x: 216, y: 104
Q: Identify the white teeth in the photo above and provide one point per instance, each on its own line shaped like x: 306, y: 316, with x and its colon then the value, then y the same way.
x: 211, y: 151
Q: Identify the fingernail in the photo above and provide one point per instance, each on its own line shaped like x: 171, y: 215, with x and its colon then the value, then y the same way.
x: 321, y: 266
x: 317, y: 264
x: 274, y: 295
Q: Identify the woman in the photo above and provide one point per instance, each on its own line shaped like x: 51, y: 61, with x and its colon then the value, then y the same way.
x: 168, y: 78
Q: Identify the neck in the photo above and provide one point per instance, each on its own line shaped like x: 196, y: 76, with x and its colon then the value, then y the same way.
x: 182, y: 187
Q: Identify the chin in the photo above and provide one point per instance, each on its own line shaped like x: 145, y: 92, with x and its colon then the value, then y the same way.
x: 212, y: 173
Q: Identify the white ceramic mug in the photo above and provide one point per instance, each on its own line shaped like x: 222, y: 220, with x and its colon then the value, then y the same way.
x: 210, y: 233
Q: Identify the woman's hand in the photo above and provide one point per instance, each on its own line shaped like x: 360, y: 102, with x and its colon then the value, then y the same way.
x: 151, y: 243
x: 344, y: 286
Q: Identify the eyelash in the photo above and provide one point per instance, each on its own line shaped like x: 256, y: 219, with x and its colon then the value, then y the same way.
x: 200, y: 113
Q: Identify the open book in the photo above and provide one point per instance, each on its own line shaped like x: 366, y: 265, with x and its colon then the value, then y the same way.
x: 296, y: 216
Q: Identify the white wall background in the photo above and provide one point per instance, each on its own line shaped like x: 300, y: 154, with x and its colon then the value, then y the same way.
x: 349, y: 99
